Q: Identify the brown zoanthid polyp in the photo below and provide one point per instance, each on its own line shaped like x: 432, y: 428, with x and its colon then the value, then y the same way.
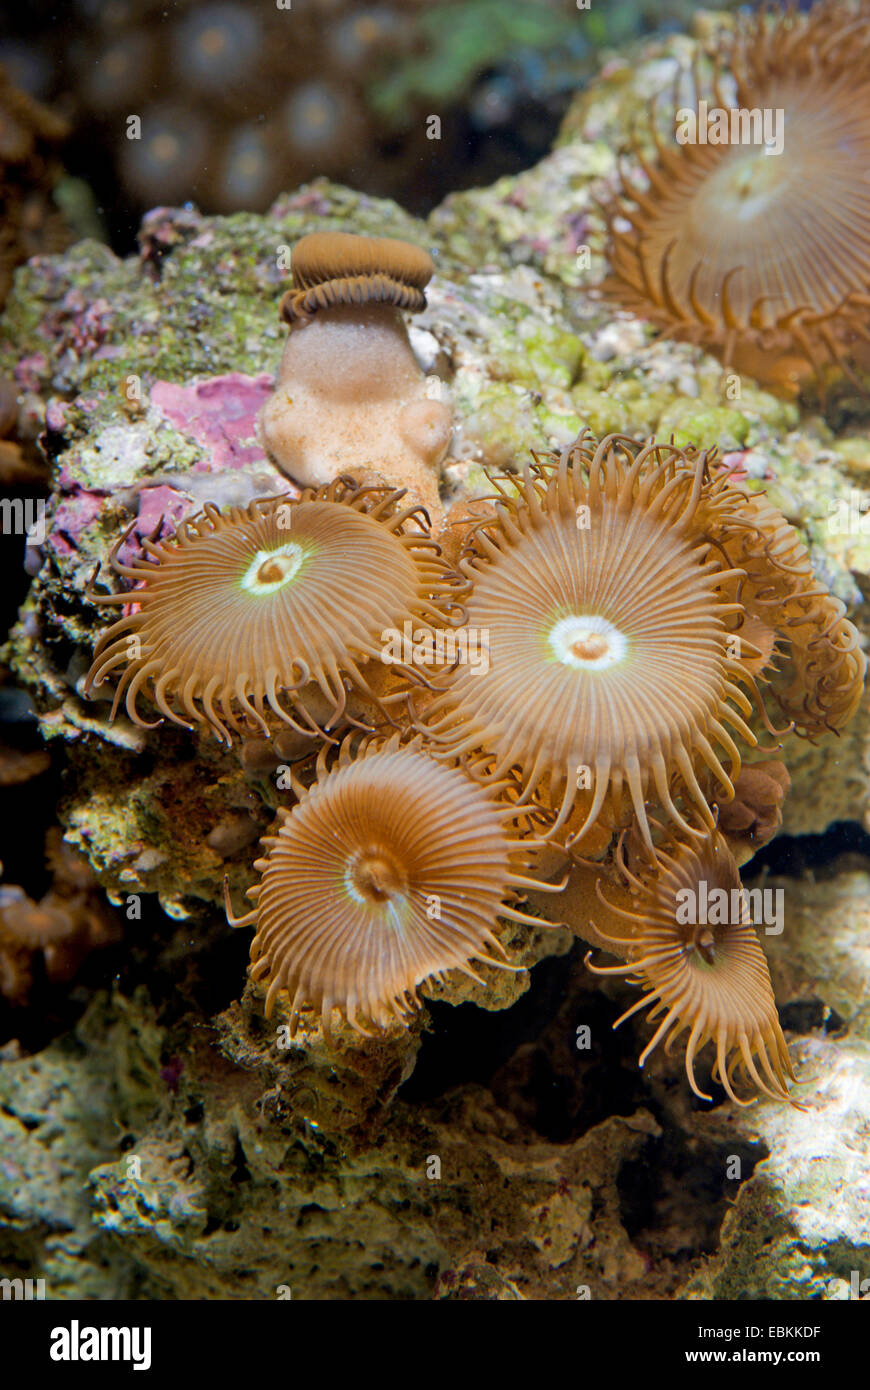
x: 758, y: 249
x: 610, y: 681
x: 702, y: 972
x: 391, y: 869
x: 270, y: 610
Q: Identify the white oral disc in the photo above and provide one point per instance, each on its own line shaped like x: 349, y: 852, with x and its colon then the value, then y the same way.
x: 272, y: 569
x: 587, y: 642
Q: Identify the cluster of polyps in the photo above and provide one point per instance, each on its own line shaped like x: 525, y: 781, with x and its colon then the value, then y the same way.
x: 628, y: 649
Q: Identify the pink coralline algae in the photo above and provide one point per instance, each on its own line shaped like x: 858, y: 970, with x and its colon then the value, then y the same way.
x: 55, y: 417
x: 218, y: 414
x: 743, y: 463
x: 162, y: 505
x: 159, y: 507
x: 160, y: 510
x: 31, y: 371
x: 73, y: 515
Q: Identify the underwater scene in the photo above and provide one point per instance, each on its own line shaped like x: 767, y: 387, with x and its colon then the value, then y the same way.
x: 434, y: 745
